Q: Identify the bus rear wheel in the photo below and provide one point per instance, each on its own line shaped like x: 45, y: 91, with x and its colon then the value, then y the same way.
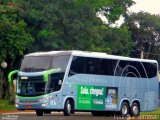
x: 39, y: 112
x: 124, y: 109
x: 67, y: 108
x: 135, y: 110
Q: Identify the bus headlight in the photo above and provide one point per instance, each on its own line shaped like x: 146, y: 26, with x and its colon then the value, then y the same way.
x: 43, y: 99
x: 16, y: 105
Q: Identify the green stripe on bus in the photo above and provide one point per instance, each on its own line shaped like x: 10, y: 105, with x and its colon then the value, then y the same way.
x: 32, y: 96
x: 11, y: 74
x: 46, y: 74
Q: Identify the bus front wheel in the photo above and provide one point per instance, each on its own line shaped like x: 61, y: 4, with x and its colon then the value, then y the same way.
x: 67, y: 108
x: 47, y: 112
x: 39, y: 112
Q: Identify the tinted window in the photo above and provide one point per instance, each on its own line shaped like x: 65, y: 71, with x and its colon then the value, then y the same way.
x: 30, y: 87
x: 60, y: 62
x: 139, y: 68
x: 151, y: 69
x: 36, y: 63
x: 53, y: 84
x: 92, y: 65
x: 121, y: 68
x: 77, y: 66
x: 130, y: 69
x: 98, y: 66
x: 107, y: 66
x: 87, y: 65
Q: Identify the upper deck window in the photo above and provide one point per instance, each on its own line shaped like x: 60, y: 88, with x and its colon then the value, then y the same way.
x: 41, y: 63
x: 36, y: 63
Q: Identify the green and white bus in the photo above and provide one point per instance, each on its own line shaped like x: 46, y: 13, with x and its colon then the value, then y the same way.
x: 95, y: 82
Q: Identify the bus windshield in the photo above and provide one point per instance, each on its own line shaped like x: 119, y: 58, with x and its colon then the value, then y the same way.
x: 31, y: 86
x: 35, y: 85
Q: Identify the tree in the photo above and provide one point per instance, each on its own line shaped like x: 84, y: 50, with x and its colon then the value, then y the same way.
x: 42, y: 25
x: 113, y: 9
x: 13, y: 38
x: 118, y: 40
x: 145, y: 33
x: 72, y: 24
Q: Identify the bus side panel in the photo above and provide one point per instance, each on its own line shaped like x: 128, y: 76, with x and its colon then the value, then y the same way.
x: 152, y: 94
x: 69, y: 90
x: 90, y: 82
x: 128, y: 88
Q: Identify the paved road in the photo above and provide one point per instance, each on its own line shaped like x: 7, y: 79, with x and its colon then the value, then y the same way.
x: 53, y: 116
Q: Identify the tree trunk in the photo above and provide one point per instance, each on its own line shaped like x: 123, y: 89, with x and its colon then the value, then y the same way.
x: 1, y: 84
x: 11, y: 94
x: 142, y: 54
x: 149, y: 50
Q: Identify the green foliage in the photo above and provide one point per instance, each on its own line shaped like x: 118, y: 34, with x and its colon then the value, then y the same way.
x: 4, y: 105
x: 14, y: 39
x: 73, y: 24
x: 42, y: 25
x: 115, y: 8
x: 118, y: 41
x: 13, y: 36
x: 145, y: 33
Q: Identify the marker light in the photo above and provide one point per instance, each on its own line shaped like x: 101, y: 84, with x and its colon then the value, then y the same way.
x: 43, y: 99
x: 44, y: 104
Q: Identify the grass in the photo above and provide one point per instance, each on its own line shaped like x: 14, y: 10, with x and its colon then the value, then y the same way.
x: 4, y: 105
x: 157, y: 112
x: 154, y: 115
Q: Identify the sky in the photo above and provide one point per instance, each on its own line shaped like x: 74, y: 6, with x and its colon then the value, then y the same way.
x: 151, y: 6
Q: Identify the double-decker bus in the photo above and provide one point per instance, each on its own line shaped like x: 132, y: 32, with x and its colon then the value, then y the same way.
x: 72, y: 81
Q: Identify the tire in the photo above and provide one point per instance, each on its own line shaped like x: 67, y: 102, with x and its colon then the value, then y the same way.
x: 124, y: 109
x: 109, y: 113
x: 39, y: 112
x: 135, y: 109
x: 97, y: 113
x: 67, y: 108
x: 47, y: 112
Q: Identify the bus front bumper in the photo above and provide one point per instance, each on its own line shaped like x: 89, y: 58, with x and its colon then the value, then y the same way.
x: 31, y: 106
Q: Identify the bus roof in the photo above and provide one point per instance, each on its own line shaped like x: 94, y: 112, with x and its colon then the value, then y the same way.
x: 89, y: 54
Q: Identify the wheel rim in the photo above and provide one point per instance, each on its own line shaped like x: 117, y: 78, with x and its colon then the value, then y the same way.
x: 69, y: 108
x: 124, y: 110
x: 135, y: 110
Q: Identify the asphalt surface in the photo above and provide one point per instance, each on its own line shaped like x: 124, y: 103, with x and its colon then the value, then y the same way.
x: 52, y: 116
x: 76, y: 116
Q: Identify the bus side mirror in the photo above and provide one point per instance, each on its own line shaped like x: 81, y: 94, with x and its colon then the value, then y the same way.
x: 10, y: 76
x: 60, y: 82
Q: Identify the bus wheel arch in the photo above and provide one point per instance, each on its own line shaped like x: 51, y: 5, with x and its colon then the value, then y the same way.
x: 135, y: 108
x: 125, y: 108
x: 69, y: 106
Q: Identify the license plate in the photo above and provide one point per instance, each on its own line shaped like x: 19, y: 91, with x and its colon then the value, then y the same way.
x: 29, y: 106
